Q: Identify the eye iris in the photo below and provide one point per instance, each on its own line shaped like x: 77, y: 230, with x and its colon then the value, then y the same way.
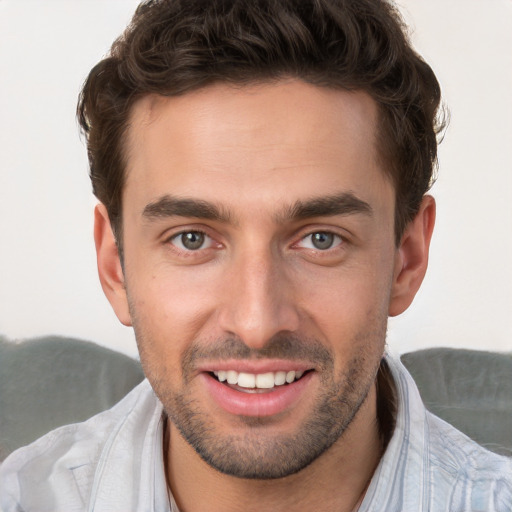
x: 322, y: 240
x: 192, y: 240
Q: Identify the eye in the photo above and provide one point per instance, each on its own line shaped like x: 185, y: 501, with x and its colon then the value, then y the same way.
x: 320, y: 241
x: 191, y: 240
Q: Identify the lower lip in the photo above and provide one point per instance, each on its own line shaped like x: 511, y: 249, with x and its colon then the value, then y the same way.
x: 256, y: 404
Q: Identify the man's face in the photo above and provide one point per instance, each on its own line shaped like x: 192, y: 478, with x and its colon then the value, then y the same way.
x: 258, y: 242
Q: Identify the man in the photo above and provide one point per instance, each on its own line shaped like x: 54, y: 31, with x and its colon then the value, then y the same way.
x: 262, y: 170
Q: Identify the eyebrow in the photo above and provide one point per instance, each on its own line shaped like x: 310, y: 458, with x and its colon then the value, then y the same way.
x: 345, y: 203
x: 169, y: 206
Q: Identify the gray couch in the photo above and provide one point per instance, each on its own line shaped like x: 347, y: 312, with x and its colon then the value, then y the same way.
x: 49, y: 382
x: 52, y: 381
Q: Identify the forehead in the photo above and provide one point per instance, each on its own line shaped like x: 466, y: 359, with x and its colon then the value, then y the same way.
x: 263, y: 143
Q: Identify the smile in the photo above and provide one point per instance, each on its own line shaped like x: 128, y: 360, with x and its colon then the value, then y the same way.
x: 258, y: 394
x: 266, y: 380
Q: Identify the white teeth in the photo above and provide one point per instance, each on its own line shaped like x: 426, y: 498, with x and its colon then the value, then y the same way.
x: 280, y: 378
x: 261, y: 380
x: 265, y: 380
x: 246, y: 380
x: 232, y: 377
x: 290, y: 377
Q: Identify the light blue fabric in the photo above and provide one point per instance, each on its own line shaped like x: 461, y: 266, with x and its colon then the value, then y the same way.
x: 429, y: 466
x: 114, y: 462
x: 111, y: 462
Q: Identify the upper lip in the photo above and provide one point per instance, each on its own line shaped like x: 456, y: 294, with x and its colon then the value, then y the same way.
x: 255, y: 366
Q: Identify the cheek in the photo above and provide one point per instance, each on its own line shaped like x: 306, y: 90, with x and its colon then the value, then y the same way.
x: 171, y: 307
x: 348, y: 307
x: 349, y: 291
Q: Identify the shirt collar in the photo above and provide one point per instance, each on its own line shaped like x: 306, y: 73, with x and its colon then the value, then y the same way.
x: 399, y: 482
x: 133, y: 454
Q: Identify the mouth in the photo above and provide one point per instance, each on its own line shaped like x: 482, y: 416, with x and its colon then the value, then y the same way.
x: 257, y: 382
x: 259, y: 394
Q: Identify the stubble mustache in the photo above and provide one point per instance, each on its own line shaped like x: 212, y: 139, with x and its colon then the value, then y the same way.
x: 286, y: 346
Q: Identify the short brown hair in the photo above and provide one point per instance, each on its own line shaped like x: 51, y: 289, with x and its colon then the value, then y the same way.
x: 172, y: 47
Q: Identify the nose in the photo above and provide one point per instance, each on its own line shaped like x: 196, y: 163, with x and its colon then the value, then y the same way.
x: 259, y: 299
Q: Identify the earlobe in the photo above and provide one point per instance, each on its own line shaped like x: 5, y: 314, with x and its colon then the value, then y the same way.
x: 412, y: 257
x: 109, y: 265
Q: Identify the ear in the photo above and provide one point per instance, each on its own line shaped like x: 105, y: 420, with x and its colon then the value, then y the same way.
x: 109, y: 265
x: 411, y: 258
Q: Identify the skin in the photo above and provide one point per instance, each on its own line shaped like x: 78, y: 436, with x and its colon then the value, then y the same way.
x: 255, y: 154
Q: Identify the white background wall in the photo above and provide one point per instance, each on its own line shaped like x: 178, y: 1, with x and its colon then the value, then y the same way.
x: 48, y: 282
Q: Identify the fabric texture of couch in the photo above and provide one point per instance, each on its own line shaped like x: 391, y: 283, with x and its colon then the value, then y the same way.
x: 52, y: 381
x: 470, y: 389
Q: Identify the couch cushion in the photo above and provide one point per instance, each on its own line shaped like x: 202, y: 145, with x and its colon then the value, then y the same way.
x: 470, y: 389
x: 51, y: 381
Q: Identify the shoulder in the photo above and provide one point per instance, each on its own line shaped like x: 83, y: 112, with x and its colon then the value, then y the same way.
x: 433, y: 466
x: 64, y: 461
x: 472, y: 473
x: 461, y: 455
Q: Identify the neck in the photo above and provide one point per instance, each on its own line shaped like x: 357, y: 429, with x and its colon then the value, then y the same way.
x: 337, y: 480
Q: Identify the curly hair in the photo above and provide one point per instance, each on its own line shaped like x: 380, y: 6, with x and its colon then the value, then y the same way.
x: 172, y: 47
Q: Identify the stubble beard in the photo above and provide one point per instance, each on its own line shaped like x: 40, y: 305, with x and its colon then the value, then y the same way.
x: 260, y: 453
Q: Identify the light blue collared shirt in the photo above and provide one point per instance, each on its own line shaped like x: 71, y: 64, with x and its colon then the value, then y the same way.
x: 429, y: 466
x: 114, y: 462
